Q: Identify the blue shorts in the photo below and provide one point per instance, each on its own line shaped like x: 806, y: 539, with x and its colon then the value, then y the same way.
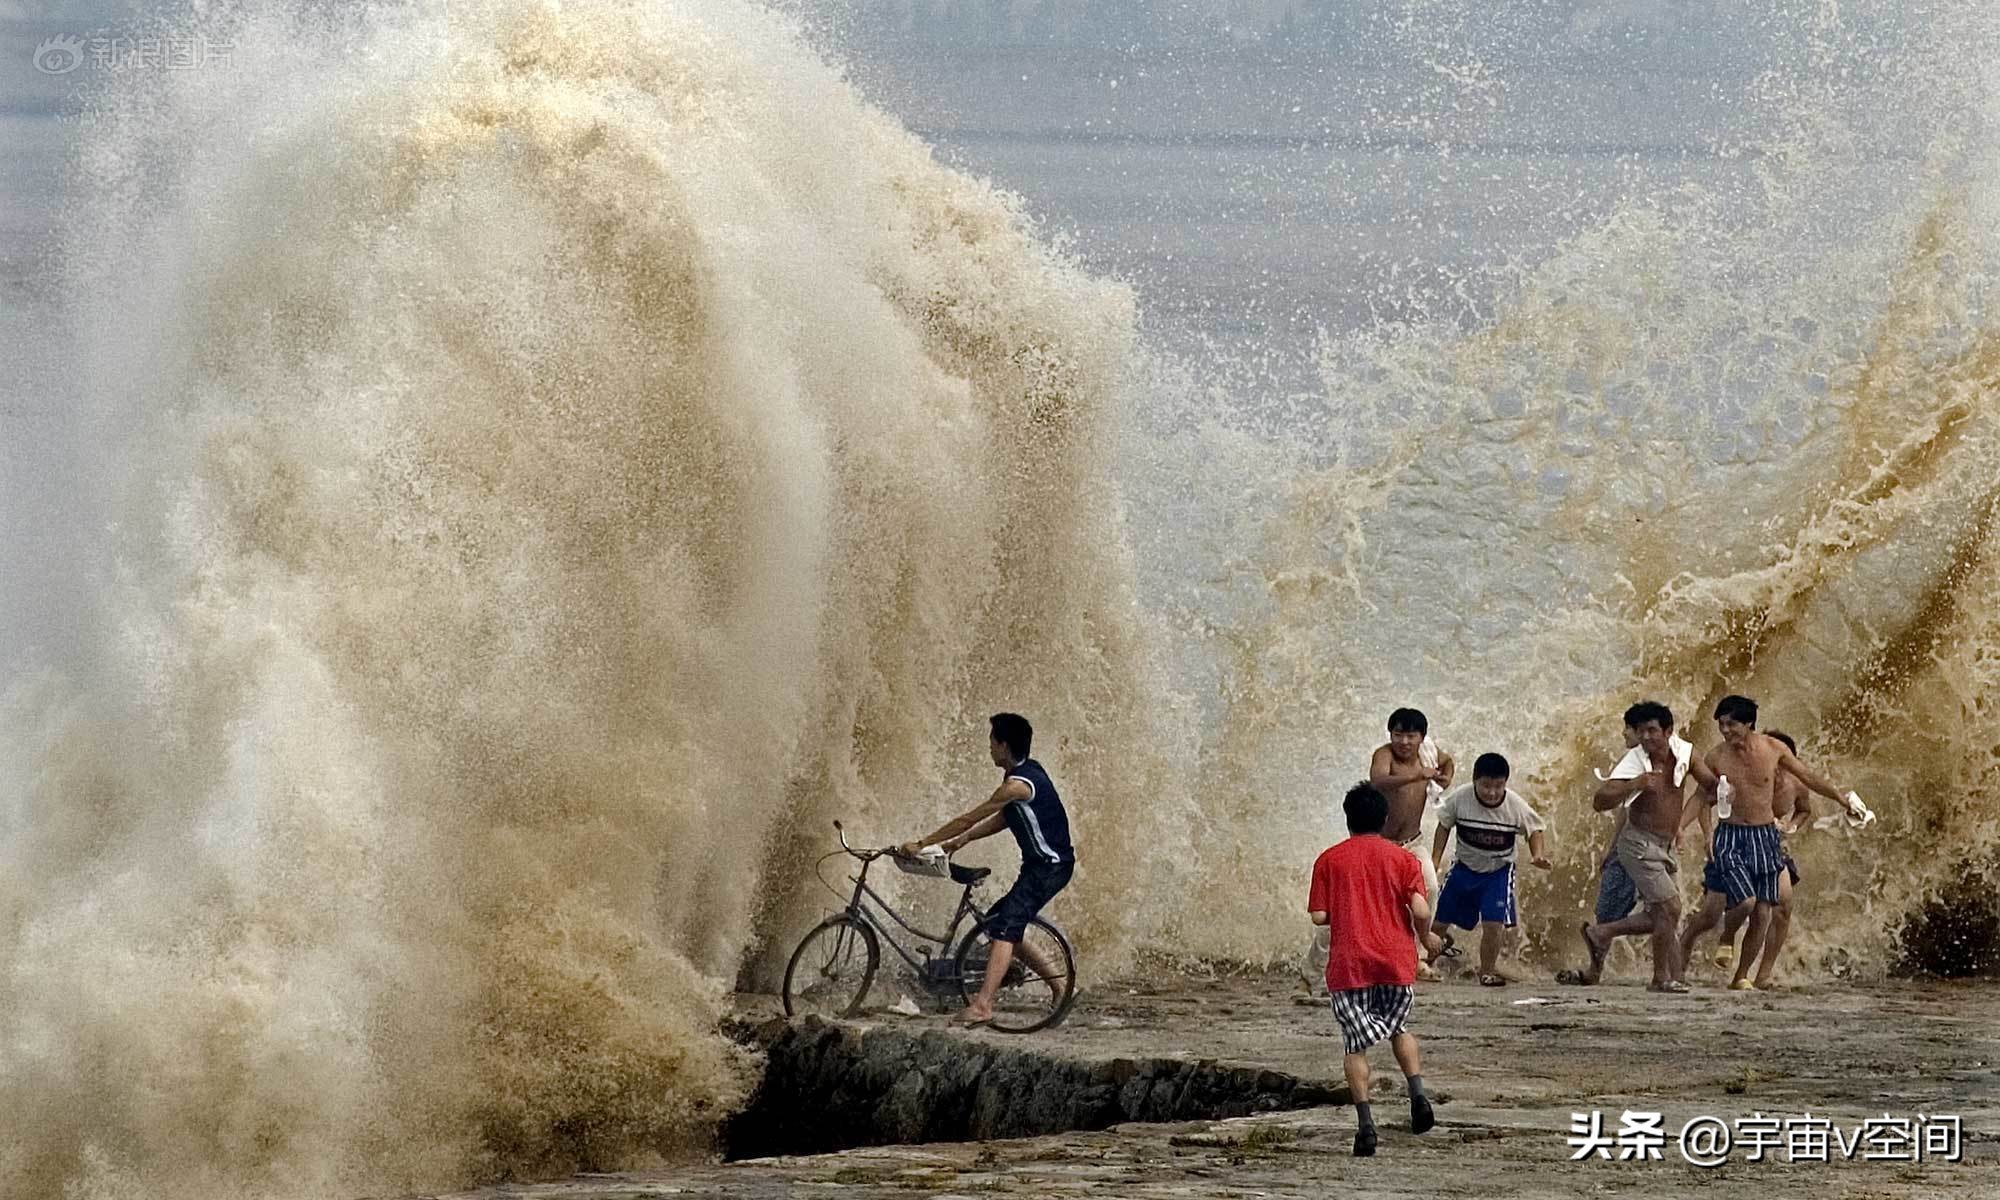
x: 1035, y: 886
x: 1746, y: 862
x: 1470, y: 897
x: 1616, y: 895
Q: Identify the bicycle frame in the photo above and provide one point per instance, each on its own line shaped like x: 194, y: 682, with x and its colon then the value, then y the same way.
x: 862, y: 912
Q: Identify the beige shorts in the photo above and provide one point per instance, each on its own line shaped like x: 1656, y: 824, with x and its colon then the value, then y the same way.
x: 1649, y: 860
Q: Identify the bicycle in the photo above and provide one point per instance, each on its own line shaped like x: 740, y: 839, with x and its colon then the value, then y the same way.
x: 835, y: 964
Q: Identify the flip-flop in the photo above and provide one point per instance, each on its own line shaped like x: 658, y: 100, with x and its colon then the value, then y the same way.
x: 1742, y: 985
x: 962, y: 1022
x: 1572, y: 977
x: 1451, y: 949
x: 1492, y: 981
x: 1672, y: 987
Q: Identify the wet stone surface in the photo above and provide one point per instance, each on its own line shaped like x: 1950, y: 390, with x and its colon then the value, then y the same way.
x: 1509, y: 1066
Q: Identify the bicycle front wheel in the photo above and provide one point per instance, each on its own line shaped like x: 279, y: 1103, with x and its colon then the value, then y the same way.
x: 1040, y: 984
x: 832, y: 969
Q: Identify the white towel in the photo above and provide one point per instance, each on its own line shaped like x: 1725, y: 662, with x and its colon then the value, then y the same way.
x: 1636, y: 763
x: 1857, y: 816
x: 931, y: 860
x: 1427, y: 755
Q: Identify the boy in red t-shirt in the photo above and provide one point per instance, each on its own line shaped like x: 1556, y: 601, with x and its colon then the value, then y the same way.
x: 1369, y: 893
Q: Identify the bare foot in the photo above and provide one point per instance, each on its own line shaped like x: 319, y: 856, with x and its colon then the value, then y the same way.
x: 970, y: 1017
x: 1597, y: 952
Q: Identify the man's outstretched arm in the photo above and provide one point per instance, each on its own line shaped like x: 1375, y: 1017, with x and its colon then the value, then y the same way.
x: 1804, y: 774
x: 1007, y: 793
x: 987, y: 828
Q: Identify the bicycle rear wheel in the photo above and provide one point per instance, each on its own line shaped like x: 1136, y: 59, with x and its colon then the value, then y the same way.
x: 832, y: 969
x: 1040, y: 984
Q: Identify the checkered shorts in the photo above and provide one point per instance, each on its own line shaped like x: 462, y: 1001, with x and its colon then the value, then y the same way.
x: 1368, y: 1015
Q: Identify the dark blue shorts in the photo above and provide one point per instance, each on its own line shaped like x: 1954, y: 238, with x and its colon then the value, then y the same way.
x: 1470, y: 897
x: 1746, y: 862
x: 1616, y: 897
x: 1036, y: 885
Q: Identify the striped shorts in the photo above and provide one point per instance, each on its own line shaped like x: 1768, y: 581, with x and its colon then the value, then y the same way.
x: 1746, y: 862
x: 1368, y: 1015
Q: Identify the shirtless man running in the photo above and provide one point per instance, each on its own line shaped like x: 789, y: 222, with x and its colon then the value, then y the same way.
x: 1616, y: 897
x: 1412, y: 771
x: 1651, y: 782
x: 1398, y: 771
x: 1747, y: 859
x: 1791, y: 804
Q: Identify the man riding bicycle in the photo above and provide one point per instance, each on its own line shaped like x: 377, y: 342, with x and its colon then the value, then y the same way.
x: 1026, y: 802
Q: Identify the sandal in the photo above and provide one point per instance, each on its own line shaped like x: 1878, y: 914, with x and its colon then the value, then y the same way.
x: 1451, y: 949
x: 1572, y: 977
x: 1492, y: 981
x: 1672, y: 987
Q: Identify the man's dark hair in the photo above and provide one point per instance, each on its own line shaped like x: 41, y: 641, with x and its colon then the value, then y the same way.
x: 1367, y: 809
x: 1649, y: 710
x: 1408, y: 720
x: 1491, y: 766
x: 1784, y: 737
x: 1013, y: 731
x: 1738, y: 708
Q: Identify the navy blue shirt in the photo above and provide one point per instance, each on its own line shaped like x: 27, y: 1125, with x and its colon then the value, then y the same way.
x: 1040, y: 823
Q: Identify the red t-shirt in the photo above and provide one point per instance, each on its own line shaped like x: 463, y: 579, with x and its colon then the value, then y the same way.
x: 1364, y: 885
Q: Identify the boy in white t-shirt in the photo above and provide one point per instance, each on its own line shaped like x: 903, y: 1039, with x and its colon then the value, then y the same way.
x: 1479, y: 893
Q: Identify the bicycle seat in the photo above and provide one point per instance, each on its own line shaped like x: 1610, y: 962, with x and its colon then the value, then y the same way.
x: 969, y: 875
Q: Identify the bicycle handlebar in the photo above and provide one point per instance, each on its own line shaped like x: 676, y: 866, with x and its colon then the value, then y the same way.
x: 864, y: 855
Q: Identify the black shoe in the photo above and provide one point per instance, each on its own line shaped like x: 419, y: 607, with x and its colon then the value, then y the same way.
x: 1421, y: 1116
x: 1364, y: 1142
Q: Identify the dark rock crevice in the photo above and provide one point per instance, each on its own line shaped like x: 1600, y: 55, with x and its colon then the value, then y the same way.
x: 829, y: 1087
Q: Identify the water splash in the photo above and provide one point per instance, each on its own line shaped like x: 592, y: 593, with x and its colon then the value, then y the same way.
x: 556, y: 480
